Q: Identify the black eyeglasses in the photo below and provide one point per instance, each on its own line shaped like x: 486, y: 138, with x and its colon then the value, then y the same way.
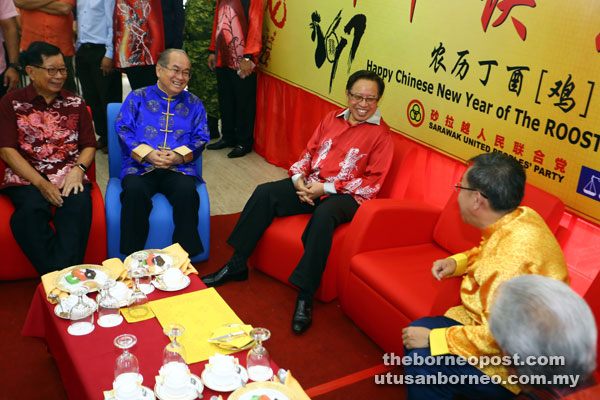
x: 53, y: 71
x: 358, y: 98
x: 185, y: 74
x: 458, y: 186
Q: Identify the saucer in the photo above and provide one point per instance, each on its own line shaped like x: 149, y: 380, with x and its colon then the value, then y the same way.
x: 209, y: 381
x: 110, y: 394
x: 190, y: 395
x: 111, y: 321
x: 68, y: 304
x: 80, y: 329
x: 185, y: 282
x: 274, y: 390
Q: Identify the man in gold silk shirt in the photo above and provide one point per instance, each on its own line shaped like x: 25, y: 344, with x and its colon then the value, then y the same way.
x: 515, y: 241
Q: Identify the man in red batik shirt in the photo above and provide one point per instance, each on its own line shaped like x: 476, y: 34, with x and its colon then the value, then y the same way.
x: 344, y: 164
x: 47, y: 143
x: 235, y: 46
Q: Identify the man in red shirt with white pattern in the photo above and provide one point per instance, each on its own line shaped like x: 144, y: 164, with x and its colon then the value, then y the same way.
x: 344, y: 164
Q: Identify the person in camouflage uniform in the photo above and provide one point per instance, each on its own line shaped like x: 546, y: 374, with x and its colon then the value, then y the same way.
x: 199, y: 15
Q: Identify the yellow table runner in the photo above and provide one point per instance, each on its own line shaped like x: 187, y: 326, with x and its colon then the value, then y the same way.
x: 201, y: 313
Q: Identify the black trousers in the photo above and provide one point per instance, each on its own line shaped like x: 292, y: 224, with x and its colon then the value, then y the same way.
x: 278, y: 199
x: 51, y: 249
x: 237, y: 104
x: 98, y: 90
x: 136, y: 204
x: 141, y: 76
x: 70, y: 83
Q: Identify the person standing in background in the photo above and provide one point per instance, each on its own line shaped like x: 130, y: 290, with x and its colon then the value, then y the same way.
x: 173, y: 21
x: 9, y: 74
x: 100, y: 83
x: 199, y: 15
x: 51, y: 22
x: 235, y: 46
x: 138, y: 39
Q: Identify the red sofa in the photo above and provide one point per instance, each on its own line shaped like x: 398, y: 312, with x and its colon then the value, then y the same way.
x: 385, y: 281
x: 16, y: 266
x: 280, y: 249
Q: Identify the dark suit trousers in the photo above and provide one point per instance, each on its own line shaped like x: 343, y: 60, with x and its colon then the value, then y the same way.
x: 237, y: 104
x: 51, y: 249
x: 98, y: 90
x: 136, y: 205
x: 279, y: 199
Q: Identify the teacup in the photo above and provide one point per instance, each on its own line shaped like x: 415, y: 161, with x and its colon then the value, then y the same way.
x: 120, y: 291
x: 223, y: 369
x: 128, y: 386
x: 176, y: 378
x: 172, y: 277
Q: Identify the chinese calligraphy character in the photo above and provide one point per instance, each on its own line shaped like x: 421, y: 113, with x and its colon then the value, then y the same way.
x: 566, y: 103
x: 465, y: 127
x: 273, y: 12
x: 481, y: 135
x: 464, y: 65
x: 438, y: 58
x: 518, y: 148
x: 449, y: 121
x: 505, y: 6
x: 330, y: 47
x: 516, y: 79
x: 499, y: 141
x: 434, y: 115
x: 538, y: 157
x: 560, y: 164
x: 489, y: 64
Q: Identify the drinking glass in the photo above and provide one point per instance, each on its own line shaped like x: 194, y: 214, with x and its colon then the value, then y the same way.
x: 108, y: 306
x: 139, y: 261
x: 139, y: 307
x: 126, y: 363
x: 258, y: 361
x: 174, y: 351
x: 81, y: 314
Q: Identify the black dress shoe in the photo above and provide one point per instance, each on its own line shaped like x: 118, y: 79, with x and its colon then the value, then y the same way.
x: 302, y: 316
x: 224, y: 275
x: 221, y: 144
x: 239, y: 151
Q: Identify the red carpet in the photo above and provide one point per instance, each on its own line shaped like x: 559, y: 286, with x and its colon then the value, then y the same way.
x: 332, y: 360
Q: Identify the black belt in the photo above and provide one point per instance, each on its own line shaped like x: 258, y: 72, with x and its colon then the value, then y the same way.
x: 91, y: 45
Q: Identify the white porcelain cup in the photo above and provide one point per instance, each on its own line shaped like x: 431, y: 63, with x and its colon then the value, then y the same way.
x: 128, y: 386
x: 176, y: 378
x: 172, y: 277
x: 223, y: 369
x: 120, y: 291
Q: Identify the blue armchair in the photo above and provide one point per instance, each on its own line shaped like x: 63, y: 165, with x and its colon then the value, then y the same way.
x: 161, y: 218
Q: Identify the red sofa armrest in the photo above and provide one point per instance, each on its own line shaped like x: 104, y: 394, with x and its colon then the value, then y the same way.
x: 375, y: 226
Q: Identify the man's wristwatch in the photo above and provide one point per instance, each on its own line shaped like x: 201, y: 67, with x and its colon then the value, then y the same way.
x: 83, y: 167
x: 16, y: 66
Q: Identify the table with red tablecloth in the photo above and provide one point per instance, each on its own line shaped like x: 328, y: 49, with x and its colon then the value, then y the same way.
x: 86, y: 363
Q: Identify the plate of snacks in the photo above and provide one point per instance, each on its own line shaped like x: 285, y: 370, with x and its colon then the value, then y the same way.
x: 263, y: 391
x: 90, y: 275
x: 156, y: 261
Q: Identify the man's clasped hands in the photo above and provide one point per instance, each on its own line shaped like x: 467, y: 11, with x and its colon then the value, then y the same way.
x: 307, y: 192
x: 163, y: 158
